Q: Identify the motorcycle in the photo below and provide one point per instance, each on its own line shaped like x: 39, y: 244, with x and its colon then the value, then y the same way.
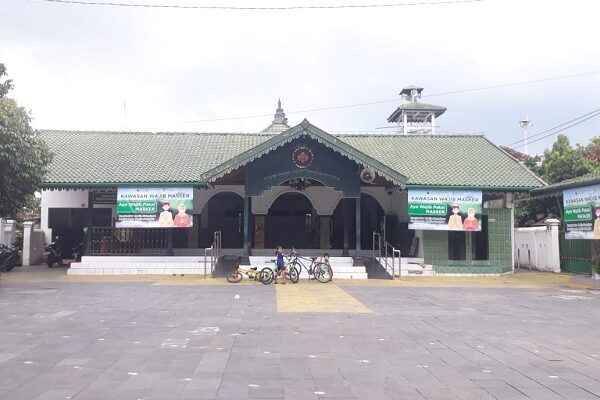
x: 52, y: 253
x: 10, y: 257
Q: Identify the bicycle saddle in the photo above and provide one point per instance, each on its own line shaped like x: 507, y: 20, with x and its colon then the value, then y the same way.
x: 314, y: 258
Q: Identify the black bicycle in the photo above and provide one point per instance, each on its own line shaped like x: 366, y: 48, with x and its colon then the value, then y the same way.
x: 291, y: 272
x: 318, y: 270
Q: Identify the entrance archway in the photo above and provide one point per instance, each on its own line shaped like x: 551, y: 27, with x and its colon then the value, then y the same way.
x: 371, y: 219
x: 225, y: 212
x: 291, y: 221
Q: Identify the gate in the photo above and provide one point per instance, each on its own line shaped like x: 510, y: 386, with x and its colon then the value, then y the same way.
x: 575, y: 254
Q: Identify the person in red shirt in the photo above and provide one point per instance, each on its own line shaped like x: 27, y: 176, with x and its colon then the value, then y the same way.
x: 182, y: 219
x: 471, y: 223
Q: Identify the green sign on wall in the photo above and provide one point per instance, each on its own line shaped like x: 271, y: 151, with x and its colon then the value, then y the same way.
x: 445, y: 210
x: 155, y: 207
x: 582, y: 212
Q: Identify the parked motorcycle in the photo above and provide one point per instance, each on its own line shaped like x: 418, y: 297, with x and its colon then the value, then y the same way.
x: 53, y: 254
x: 10, y: 257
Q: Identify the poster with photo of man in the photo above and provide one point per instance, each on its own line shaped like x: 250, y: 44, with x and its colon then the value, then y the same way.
x: 582, y: 212
x: 445, y: 210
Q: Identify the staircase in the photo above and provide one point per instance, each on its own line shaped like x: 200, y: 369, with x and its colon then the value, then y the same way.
x: 375, y: 270
x: 224, y: 265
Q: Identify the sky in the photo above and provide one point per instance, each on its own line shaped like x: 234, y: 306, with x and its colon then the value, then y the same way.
x: 75, y: 66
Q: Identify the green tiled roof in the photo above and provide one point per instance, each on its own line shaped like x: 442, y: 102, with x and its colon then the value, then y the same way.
x: 447, y: 160
x: 557, y: 188
x: 415, y: 105
x: 140, y: 157
x: 110, y: 158
x: 276, y: 127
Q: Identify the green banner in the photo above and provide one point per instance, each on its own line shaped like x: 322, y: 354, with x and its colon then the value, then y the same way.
x: 417, y: 209
x: 578, y: 213
x: 155, y: 207
x: 582, y: 212
x: 445, y: 210
x: 136, y: 207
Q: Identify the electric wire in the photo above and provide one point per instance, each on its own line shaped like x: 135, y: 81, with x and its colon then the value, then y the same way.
x: 255, y: 8
x: 510, y: 84
x: 560, y: 130
x: 553, y: 128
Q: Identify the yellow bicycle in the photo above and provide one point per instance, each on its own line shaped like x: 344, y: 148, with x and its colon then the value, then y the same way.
x: 265, y: 275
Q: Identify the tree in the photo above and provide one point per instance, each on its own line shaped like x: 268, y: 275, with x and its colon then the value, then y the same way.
x: 24, y: 157
x: 592, y: 153
x: 5, y: 86
x: 560, y: 163
x: 564, y: 162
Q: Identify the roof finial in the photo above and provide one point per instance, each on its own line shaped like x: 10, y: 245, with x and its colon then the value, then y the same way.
x: 279, y: 114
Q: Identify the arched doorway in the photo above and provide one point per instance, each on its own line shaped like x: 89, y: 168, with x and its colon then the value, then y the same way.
x: 291, y: 221
x: 372, y: 219
x: 225, y: 212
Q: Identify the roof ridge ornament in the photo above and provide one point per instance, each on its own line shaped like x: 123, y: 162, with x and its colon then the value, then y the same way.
x: 305, y: 124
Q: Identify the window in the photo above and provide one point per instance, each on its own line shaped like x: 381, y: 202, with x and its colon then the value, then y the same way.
x: 457, y: 245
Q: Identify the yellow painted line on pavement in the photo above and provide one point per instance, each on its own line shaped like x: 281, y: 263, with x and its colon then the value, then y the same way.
x: 317, y: 298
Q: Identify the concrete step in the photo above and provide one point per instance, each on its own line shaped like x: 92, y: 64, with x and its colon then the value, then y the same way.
x: 343, y: 267
x: 417, y: 270
x: 141, y: 269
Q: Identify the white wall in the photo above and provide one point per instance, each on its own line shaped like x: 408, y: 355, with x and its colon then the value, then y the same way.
x: 60, y: 199
x: 538, y: 248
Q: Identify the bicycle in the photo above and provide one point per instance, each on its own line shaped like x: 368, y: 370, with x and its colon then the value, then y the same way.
x: 321, y: 271
x: 291, y: 272
x: 265, y: 275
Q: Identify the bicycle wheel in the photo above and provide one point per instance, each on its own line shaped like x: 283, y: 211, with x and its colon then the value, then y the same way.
x: 234, y: 277
x: 298, y: 267
x: 323, y: 272
x: 292, y: 274
x: 266, y: 276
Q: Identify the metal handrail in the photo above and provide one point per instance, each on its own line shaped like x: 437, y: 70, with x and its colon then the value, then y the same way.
x: 206, y: 250
x: 216, y: 253
x: 381, y: 250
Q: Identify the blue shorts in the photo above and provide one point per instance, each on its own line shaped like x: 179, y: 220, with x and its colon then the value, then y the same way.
x: 281, y: 267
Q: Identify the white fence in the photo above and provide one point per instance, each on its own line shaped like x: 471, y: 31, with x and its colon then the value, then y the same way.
x: 537, y: 248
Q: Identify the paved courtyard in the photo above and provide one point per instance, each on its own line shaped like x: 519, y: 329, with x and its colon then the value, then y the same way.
x: 62, y: 339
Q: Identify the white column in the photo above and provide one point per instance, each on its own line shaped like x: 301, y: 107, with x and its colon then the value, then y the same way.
x: 28, y: 242
x: 433, y: 123
x: 553, y: 257
x: 2, y: 231
x: 404, y: 129
x: 9, y: 231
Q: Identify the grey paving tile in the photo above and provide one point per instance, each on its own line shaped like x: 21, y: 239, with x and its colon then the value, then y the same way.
x: 437, y: 343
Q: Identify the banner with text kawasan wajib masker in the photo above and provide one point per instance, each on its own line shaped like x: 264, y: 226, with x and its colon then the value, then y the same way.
x: 155, y: 207
x: 582, y: 212
x: 445, y: 210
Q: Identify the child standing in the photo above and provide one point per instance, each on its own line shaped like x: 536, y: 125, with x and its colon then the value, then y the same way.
x: 280, y: 264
